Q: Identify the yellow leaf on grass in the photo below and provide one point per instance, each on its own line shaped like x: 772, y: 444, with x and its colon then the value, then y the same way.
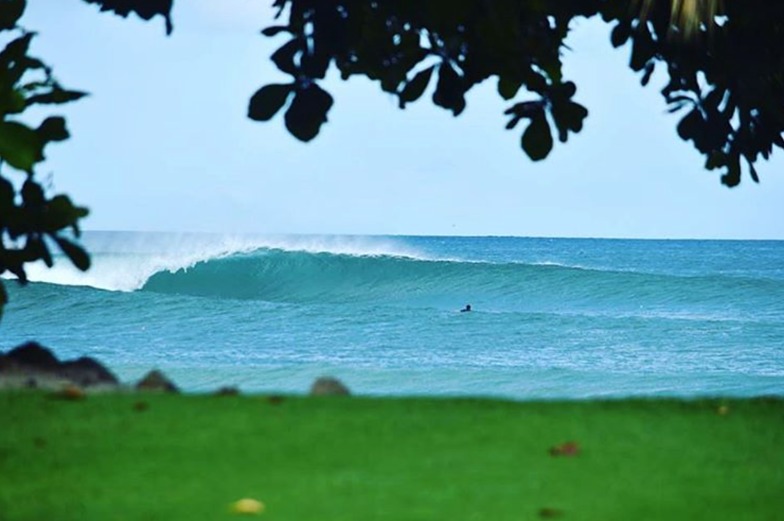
x: 247, y: 506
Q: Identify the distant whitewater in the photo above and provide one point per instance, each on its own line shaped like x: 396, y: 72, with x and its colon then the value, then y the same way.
x: 553, y: 318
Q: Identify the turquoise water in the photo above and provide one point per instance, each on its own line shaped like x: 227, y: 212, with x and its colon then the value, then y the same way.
x: 553, y: 318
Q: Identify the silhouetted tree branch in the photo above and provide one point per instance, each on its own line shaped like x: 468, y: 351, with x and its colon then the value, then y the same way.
x: 725, y: 67
x: 30, y: 220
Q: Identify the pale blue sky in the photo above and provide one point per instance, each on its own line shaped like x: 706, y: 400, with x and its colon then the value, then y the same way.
x: 163, y: 143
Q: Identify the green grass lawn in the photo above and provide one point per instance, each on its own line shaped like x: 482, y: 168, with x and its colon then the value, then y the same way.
x: 189, y: 457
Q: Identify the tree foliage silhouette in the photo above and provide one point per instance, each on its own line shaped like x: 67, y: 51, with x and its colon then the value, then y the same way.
x: 30, y: 220
x: 725, y: 67
x: 723, y: 62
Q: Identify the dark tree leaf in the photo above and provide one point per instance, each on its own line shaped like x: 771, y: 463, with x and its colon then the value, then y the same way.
x: 508, y: 88
x: 450, y: 92
x: 62, y: 213
x: 76, y: 253
x: 526, y: 109
x: 690, y: 125
x: 646, y: 77
x: 56, y: 96
x: 281, y: 5
x: 13, y: 58
x: 146, y: 9
x: 732, y: 177
x: 416, y: 87
x: 11, y: 101
x: 307, y: 112
x: 537, y: 140
x: 315, y: 64
x: 284, y: 57
x: 36, y: 249
x: 32, y: 194
x: 620, y: 34
x: 568, y: 116
x: 642, y: 52
x: 275, y: 30
x: 10, y: 12
x: 45, y: 255
x: 713, y: 100
x: 715, y: 160
x: 53, y: 129
x: 268, y: 101
x: 7, y: 195
x: 753, y: 172
x: 513, y: 122
x: 677, y: 107
x: 567, y: 89
x: 19, y: 145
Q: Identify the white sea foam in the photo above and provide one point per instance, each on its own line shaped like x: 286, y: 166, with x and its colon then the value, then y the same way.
x: 124, y: 261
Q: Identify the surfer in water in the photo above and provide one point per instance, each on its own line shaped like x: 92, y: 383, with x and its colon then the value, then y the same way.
x: 466, y: 309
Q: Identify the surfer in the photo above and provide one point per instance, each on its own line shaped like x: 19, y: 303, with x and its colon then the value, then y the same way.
x: 465, y: 309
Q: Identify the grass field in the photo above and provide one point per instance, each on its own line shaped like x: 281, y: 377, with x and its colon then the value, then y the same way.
x: 166, y: 457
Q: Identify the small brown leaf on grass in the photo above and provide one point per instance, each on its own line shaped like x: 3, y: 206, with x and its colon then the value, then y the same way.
x: 70, y: 392
x: 141, y: 406
x: 570, y: 448
x: 275, y: 399
x: 723, y: 410
x: 549, y: 513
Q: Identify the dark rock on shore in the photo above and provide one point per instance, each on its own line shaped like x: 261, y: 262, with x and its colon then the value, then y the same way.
x: 227, y: 391
x: 328, y: 386
x: 34, y: 355
x: 156, y: 381
x: 32, y: 365
x: 87, y: 371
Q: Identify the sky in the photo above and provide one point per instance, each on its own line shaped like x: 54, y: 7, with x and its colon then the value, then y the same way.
x: 163, y: 144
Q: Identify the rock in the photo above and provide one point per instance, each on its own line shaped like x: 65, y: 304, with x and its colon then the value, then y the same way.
x: 33, y: 366
x: 328, y: 386
x: 227, y: 391
x: 33, y: 355
x: 156, y: 381
x: 87, y: 371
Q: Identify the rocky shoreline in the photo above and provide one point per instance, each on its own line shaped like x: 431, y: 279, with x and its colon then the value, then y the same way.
x: 33, y: 366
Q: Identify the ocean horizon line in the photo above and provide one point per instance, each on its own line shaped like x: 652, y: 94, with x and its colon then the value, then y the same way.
x: 428, y: 235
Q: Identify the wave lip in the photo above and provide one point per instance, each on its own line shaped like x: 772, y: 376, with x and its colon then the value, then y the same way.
x: 125, y: 261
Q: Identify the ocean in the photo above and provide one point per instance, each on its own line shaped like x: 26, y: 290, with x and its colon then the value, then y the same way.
x: 551, y: 318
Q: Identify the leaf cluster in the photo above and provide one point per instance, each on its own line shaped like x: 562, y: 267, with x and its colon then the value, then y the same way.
x: 727, y: 77
x: 146, y: 9
x: 30, y: 220
x: 409, y: 45
x: 728, y: 73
